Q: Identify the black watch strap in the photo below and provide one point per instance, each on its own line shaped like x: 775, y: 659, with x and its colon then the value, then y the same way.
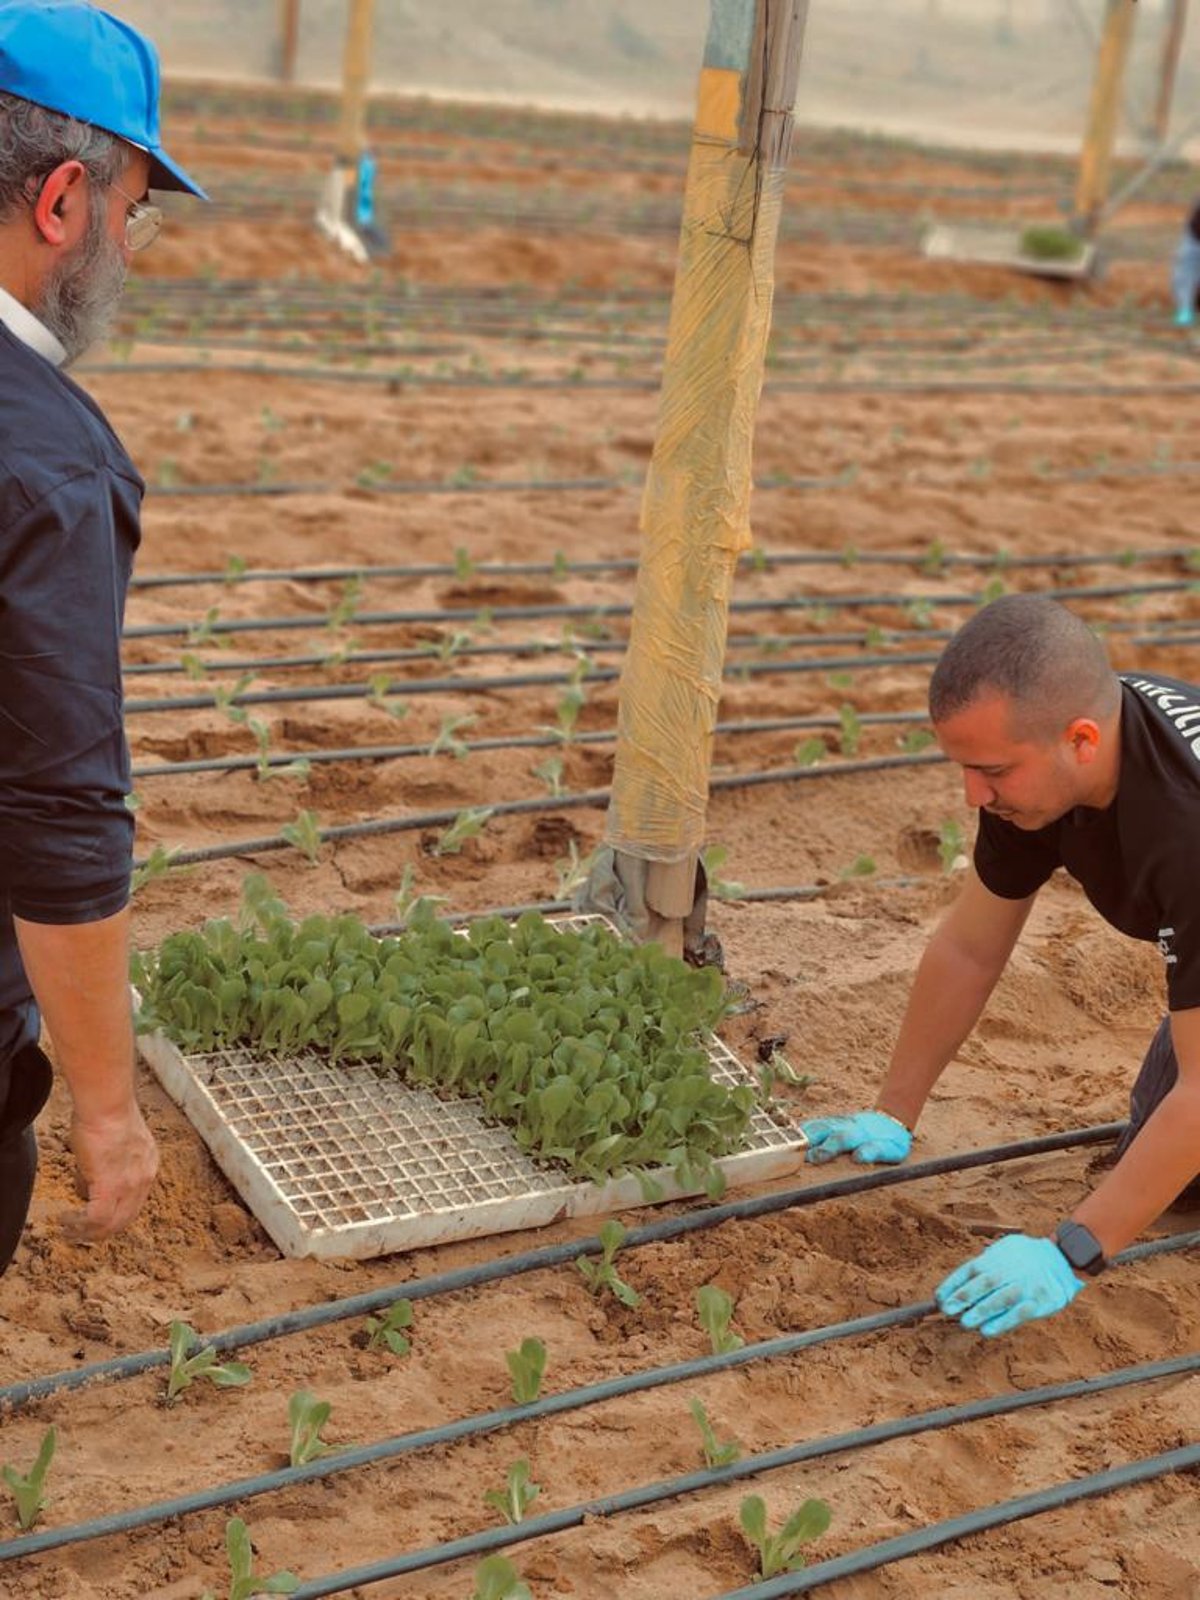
x: 1081, y: 1248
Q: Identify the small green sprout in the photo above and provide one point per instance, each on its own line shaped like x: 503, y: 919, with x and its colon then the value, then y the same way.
x: 934, y: 560
x: 860, y: 867
x: 306, y: 1417
x: 561, y: 567
x: 202, y: 632
x: 950, y: 844
x: 715, y: 1309
x: 780, y: 1552
x: 992, y: 590
x: 156, y: 865
x: 527, y: 1366
x: 300, y: 768
x: 778, y: 1069
x: 497, y: 1579
x: 386, y: 1330
x: 380, y: 687
x: 913, y: 743
x: 466, y: 825
x: 243, y: 1584
x: 410, y: 906
x: 920, y: 613
x: 463, y: 565
x: 193, y: 666
x: 235, y: 568
x: 518, y: 1494
x: 603, y: 1274
x: 190, y: 1361
x: 550, y: 772
x: 28, y: 1489
x: 571, y: 703
x: 716, y: 1453
x: 226, y: 695
x: 571, y: 871
x: 305, y: 834
x: 447, y: 742
x: 347, y: 605
x: 714, y: 859
x: 851, y: 729
x: 809, y: 751
x: 450, y: 645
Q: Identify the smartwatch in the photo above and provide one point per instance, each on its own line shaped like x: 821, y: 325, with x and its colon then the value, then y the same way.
x: 1081, y: 1248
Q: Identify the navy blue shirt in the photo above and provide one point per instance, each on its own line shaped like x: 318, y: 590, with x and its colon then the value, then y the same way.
x: 70, y: 504
x: 1138, y: 861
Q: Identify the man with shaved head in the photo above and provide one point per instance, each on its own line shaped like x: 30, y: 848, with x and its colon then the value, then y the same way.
x: 1069, y: 766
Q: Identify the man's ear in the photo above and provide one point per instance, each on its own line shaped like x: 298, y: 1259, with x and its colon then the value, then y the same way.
x: 1083, y: 735
x: 60, y: 212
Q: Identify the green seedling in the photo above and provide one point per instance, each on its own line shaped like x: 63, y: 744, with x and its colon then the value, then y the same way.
x: 716, y: 1452
x: 571, y: 871
x: 28, y: 1489
x: 266, y: 768
x: 602, y: 1274
x: 920, y: 613
x: 851, y: 729
x: 809, y: 751
x: 550, y: 772
x: 156, y: 865
x: 860, y: 867
x: 714, y: 859
x: 226, y: 695
x: 950, y: 844
x: 387, y: 1329
x: 778, y: 1069
x: 243, y: 1584
x: 561, y: 566
x: 450, y: 645
x: 464, y: 567
x: 193, y: 667
x: 462, y: 477
x: 202, y: 632
x: 780, y: 1552
x: 1045, y: 242
x: 917, y: 740
x: 497, y: 1579
x: 306, y: 1417
x: 840, y: 680
x: 849, y: 556
x: 447, y: 742
x: 992, y: 590
x: 380, y: 687
x: 133, y: 801
x: 527, y: 1367
x: 571, y: 703
x: 715, y: 1309
x: 305, y: 834
x: 235, y: 568
x: 190, y: 1360
x: 466, y: 825
x: 517, y: 1495
x: 168, y: 473
x: 410, y: 906
x: 345, y: 610
x: 933, y: 561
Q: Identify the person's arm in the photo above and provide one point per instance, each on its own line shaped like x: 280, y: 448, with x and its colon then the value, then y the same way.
x: 80, y: 978
x: 958, y: 972
x: 1161, y: 1161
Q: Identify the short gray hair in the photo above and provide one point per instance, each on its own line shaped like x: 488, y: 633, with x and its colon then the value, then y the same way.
x: 1041, y: 657
x: 34, y: 141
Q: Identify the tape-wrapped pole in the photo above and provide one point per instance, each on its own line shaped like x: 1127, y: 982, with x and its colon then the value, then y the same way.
x: 1095, y: 164
x: 695, y: 517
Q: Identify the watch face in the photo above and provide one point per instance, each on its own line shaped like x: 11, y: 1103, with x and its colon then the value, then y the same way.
x: 1081, y: 1247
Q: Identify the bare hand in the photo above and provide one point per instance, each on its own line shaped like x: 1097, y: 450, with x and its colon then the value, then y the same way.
x: 116, y: 1160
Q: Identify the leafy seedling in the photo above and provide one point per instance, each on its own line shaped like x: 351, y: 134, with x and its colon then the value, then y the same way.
x: 851, y: 729
x: 386, y: 1330
x: 780, y: 1552
x: 412, y: 907
x: 203, y: 632
x: 463, y: 565
x: 602, y: 1274
x: 380, y: 687
x: 447, y: 742
x: 777, y: 1069
x: 714, y: 859
x: 307, y: 1416
x: 517, y: 1495
x: 190, y: 1360
x: 466, y: 825
x: 450, y: 645
x: 28, y: 1489
x: 225, y: 697
x: 571, y: 702
x: 344, y: 611
x: 305, y: 834
x: 156, y: 865
x: 497, y: 1579
x: 571, y: 871
x: 550, y: 772
x: 808, y: 752
x: 235, y: 568
x: 860, y: 867
x: 266, y: 768
x: 913, y: 743
x: 715, y: 1309
x: 950, y: 844
x: 716, y: 1452
x: 527, y: 1367
x: 243, y: 1584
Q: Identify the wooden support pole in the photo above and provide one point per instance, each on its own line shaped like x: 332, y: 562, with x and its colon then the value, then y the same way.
x: 695, y: 518
x: 1096, y: 161
x: 1172, y: 45
x: 289, y: 39
x: 356, y: 81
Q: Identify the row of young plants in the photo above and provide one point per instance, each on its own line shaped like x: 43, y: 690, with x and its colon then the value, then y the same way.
x: 586, y: 1047
x: 192, y: 1361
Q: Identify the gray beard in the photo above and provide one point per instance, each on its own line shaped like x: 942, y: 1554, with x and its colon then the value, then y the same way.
x: 80, y: 300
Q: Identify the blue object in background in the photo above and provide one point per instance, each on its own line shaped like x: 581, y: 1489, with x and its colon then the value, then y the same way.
x: 364, y: 198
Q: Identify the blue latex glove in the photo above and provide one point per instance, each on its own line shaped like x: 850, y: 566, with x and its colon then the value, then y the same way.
x: 869, y: 1136
x: 1185, y: 317
x: 1015, y: 1280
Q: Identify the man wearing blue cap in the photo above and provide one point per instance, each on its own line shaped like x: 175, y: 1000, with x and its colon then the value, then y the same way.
x: 79, y: 151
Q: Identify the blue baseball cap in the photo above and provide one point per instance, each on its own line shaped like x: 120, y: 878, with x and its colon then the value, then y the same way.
x: 83, y: 63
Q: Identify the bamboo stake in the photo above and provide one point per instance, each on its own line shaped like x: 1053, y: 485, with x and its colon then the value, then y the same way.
x: 1096, y: 160
x: 289, y: 39
x: 1169, y: 68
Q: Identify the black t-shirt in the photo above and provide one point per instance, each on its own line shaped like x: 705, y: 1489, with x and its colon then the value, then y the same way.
x: 70, y: 500
x: 1138, y: 861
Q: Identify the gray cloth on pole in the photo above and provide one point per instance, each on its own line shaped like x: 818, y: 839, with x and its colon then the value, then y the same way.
x: 616, y: 888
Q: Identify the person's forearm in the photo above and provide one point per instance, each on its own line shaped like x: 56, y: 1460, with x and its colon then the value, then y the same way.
x: 950, y: 992
x: 80, y: 978
x: 1156, y: 1168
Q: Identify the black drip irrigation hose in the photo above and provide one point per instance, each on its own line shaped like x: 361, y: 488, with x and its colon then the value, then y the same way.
x: 697, y: 1220
x: 870, y: 1559
x: 756, y: 561
x: 583, y: 799
x: 396, y: 752
x: 447, y: 616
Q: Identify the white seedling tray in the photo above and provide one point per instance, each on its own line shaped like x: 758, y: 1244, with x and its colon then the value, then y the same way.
x: 341, y: 1161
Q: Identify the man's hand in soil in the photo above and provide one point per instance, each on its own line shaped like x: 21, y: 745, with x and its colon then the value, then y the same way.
x: 1015, y: 1280
x: 869, y: 1136
x: 116, y: 1160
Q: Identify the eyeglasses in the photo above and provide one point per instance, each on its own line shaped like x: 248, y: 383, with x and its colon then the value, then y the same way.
x: 143, y: 222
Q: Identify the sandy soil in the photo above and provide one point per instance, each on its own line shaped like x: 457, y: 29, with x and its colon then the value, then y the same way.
x: 985, y: 464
